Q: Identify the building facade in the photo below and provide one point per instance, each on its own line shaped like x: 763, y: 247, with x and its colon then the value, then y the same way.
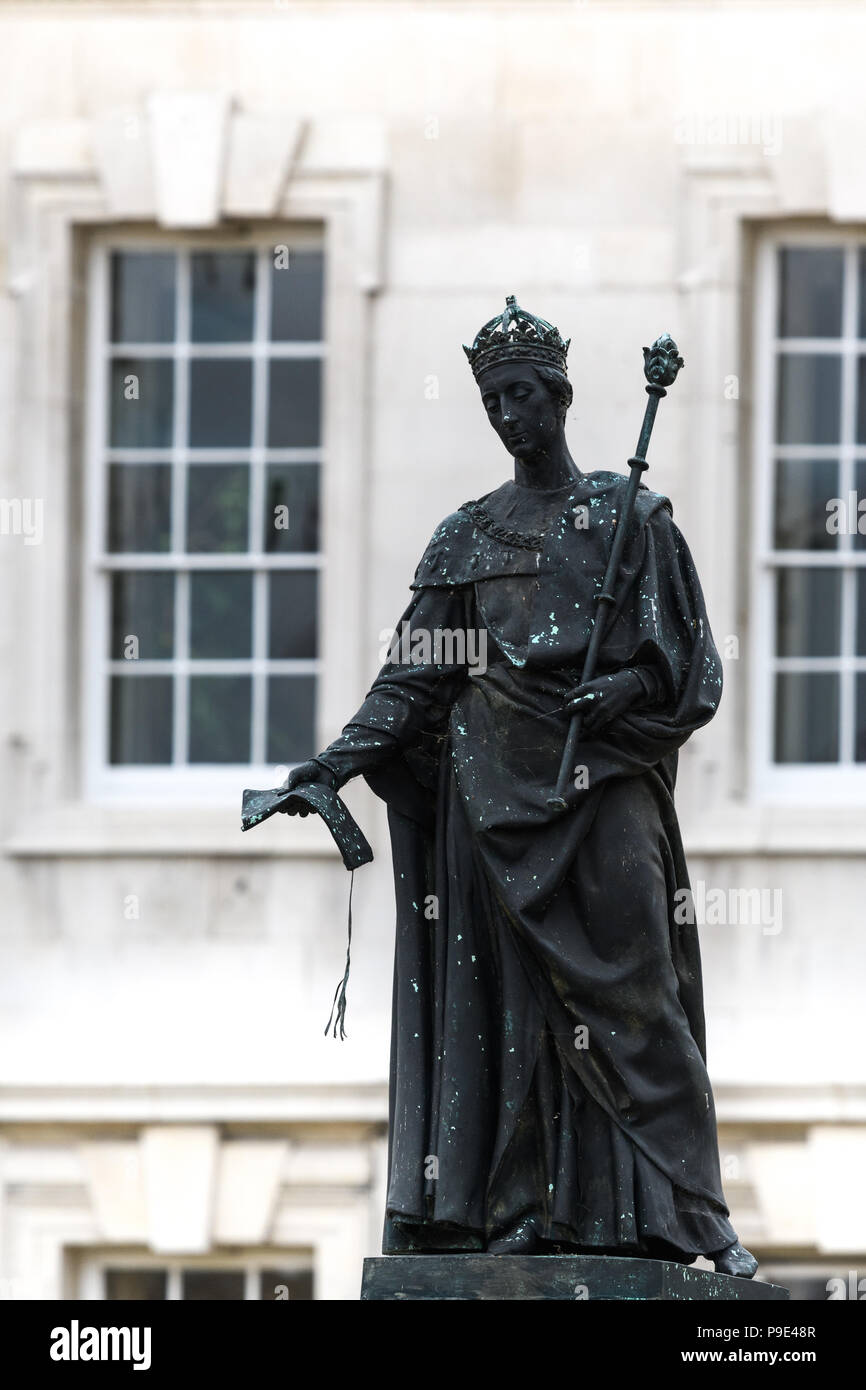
x: 242, y: 245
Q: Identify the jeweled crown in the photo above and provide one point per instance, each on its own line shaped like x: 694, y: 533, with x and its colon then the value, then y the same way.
x: 515, y: 335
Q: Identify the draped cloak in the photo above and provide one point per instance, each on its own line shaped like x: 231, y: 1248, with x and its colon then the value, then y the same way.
x: 548, y: 1053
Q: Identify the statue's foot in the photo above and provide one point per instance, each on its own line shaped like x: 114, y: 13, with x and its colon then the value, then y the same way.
x: 736, y: 1260
x: 521, y: 1240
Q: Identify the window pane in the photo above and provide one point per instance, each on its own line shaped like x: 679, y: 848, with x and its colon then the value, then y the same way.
x: 291, y: 719
x: 293, y: 614
x: 141, y: 719
x: 142, y: 296
x: 807, y: 616
x: 296, y: 297
x: 861, y: 612
x: 217, y: 507
x: 212, y: 1284
x: 142, y: 606
x: 858, y: 520
x: 861, y: 314
x: 294, y: 404
x: 220, y: 403
x: 807, y: 717
x: 291, y: 520
x: 860, y: 731
x: 142, y: 402
x: 219, y: 719
x: 147, y: 1284
x: 221, y: 611
x: 803, y: 489
x: 810, y: 292
x: 223, y: 295
x: 276, y: 1282
x: 807, y: 408
x: 861, y: 400
x: 139, y: 507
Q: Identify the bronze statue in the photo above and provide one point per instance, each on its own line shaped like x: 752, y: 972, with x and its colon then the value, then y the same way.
x: 549, y: 1092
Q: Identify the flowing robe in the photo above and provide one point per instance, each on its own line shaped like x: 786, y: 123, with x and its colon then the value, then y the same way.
x: 548, y: 1055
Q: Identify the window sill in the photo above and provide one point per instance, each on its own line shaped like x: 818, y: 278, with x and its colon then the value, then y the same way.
x: 84, y: 830
x: 833, y: 831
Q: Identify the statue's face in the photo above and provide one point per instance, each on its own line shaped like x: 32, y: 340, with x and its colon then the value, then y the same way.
x: 520, y: 408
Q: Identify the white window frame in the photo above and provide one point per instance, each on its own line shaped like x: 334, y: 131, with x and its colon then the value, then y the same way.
x: 806, y: 784
x: 181, y: 782
x: 93, y: 1266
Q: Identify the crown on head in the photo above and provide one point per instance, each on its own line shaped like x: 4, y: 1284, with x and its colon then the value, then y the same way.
x: 516, y: 336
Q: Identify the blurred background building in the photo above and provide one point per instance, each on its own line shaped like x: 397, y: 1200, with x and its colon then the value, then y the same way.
x: 241, y: 246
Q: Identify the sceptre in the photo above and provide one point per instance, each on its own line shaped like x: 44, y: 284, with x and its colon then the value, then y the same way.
x: 660, y: 366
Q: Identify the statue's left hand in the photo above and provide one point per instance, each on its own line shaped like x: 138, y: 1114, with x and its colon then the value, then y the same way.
x: 605, y: 698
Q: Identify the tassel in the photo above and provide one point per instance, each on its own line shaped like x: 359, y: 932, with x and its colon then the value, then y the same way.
x: 339, y: 1003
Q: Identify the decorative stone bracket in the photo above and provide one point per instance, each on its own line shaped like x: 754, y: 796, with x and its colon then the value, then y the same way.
x: 191, y: 159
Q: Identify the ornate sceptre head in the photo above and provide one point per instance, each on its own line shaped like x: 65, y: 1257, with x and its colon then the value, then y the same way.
x: 662, y: 361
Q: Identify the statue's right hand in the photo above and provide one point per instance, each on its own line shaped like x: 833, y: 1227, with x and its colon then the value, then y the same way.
x: 302, y: 775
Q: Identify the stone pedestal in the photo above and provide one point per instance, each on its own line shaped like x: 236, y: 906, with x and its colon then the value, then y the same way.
x: 559, y: 1277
